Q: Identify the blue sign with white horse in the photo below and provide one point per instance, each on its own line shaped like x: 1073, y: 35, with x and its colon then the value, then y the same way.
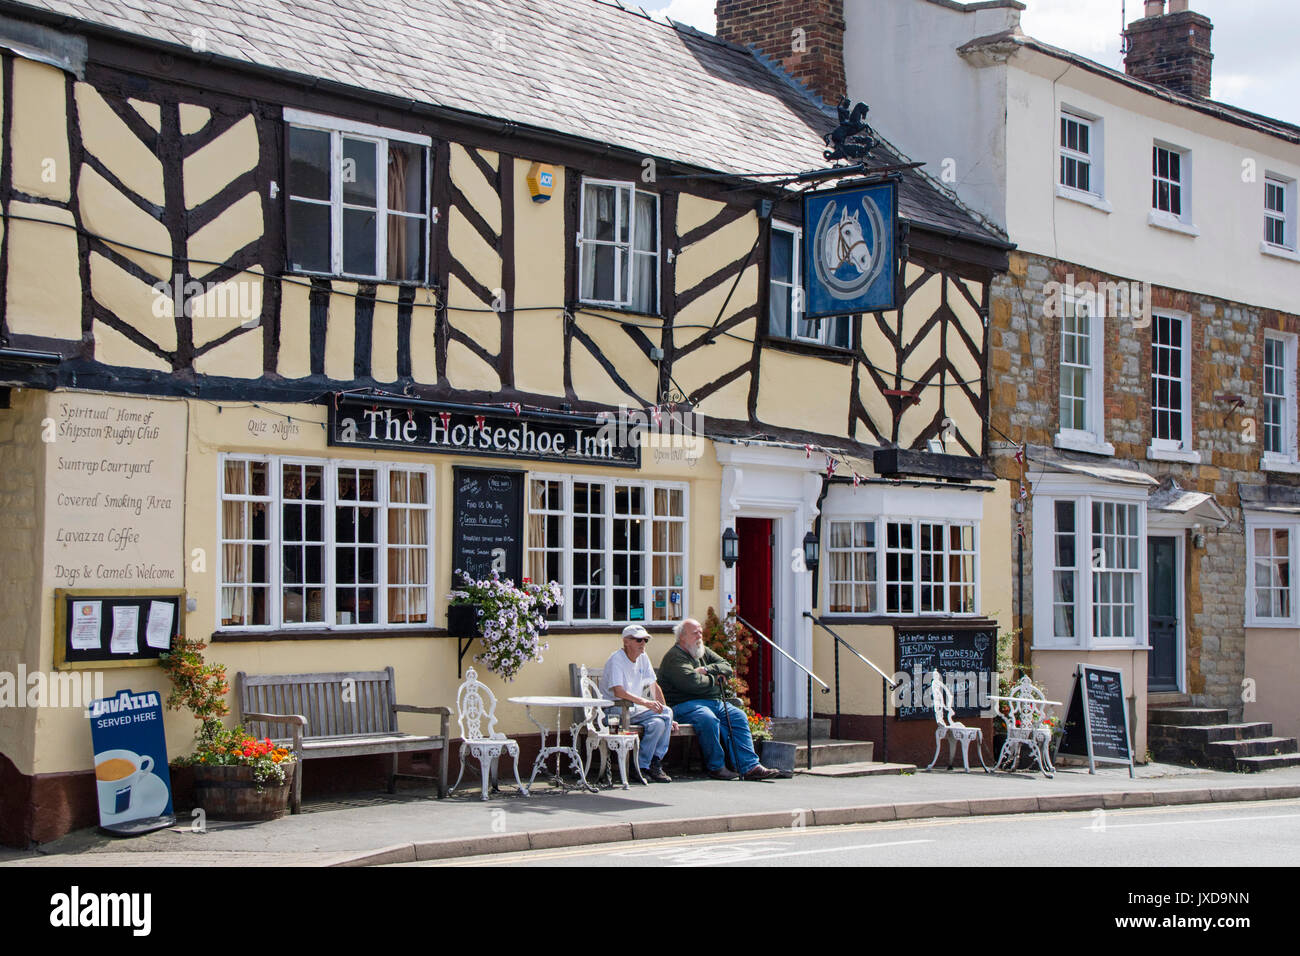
x: 849, y: 250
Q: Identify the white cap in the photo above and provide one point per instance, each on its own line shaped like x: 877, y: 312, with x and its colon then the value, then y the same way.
x: 636, y: 630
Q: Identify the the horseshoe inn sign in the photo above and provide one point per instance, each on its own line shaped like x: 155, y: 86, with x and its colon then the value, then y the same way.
x: 849, y: 250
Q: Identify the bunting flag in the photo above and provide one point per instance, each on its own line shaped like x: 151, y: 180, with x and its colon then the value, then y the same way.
x: 446, y: 419
x: 1020, y: 456
x: 1024, y: 492
x: 807, y: 451
x: 857, y: 479
x: 830, y: 467
x: 516, y: 407
x: 480, y: 422
x: 657, y: 415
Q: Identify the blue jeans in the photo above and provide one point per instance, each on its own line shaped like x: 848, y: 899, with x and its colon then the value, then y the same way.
x: 706, y: 717
x: 658, y: 730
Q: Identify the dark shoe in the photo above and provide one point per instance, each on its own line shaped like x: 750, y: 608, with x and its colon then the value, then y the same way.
x: 657, y: 775
x: 759, y: 772
x: 722, y: 773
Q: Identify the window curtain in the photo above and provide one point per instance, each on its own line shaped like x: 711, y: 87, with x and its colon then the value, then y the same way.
x: 646, y: 256
x: 399, y: 165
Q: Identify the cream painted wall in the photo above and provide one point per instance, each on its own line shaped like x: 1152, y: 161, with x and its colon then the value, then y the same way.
x: 1224, y: 260
x: 859, y: 685
x: 40, y: 131
x: 425, y: 666
x: 1055, y: 669
x: 539, y: 286
x: 1273, y: 663
x: 26, y: 615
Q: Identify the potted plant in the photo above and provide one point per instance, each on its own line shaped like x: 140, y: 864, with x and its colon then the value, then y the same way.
x: 777, y: 754
x: 238, y: 777
x: 510, y: 620
x: 233, y: 775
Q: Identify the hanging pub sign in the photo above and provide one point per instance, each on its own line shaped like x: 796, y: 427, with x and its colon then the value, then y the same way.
x: 131, y: 778
x: 849, y: 250
x: 467, y: 430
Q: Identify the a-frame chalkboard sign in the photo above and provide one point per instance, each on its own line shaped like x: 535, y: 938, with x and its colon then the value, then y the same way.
x: 1096, y: 719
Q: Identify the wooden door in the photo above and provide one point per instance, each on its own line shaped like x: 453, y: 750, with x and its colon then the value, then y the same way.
x: 754, y: 599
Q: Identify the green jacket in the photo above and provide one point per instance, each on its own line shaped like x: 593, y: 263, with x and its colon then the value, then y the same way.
x: 678, y: 679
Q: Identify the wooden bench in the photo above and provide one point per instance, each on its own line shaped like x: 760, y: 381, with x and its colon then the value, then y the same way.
x: 597, y: 674
x: 337, y: 715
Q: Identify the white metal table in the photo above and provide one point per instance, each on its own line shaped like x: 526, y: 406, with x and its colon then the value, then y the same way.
x: 560, y: 704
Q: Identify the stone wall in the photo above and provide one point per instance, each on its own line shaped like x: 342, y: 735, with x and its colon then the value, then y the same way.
x: 1226, y: 360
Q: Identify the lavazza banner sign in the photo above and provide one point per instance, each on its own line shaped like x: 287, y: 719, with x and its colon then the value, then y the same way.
x: 453, y: 429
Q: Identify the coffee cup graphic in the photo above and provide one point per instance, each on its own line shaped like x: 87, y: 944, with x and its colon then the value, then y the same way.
x: 116, y: 773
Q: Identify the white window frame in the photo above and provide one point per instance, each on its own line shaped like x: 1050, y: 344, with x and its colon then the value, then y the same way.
x: 1095, y: 195
x: 1181, y: 221
x: 882, y: 551
x: 1093, y: 438
x: 1286, y: 186
x: 648, y: 587
x: 275, y: 571
x: 380, y: 136
x: 1166, y: 449
x: 623, y: 297
x: 1260, y: 522
x: 1288, y: 458
x: 1047, y: 492
x: 796, y: 297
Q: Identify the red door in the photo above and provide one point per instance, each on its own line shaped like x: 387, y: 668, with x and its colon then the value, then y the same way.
x: 754, y: 601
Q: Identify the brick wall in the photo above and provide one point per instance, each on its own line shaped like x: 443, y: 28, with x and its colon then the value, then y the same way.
x: 1226, y: 359
x: 806, y: 37
x: 1172, y: 51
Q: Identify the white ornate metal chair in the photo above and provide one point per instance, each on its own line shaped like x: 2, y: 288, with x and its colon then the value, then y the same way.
x: 601, y: 738
x: 475, y: 703
x: 1026, y: 711
x: 956, y: 732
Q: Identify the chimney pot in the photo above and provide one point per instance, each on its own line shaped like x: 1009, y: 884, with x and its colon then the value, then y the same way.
x: 1155, y: 8
x: 1177, y: 6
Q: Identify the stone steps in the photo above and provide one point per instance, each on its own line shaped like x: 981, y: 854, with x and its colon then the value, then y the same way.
x: 861, y: 769
x: 1203, y: 737
x: 826, y: 752
x: 795, y: 729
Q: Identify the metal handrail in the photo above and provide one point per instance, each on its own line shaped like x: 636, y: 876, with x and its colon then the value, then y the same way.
x: 811, y: 677
x: 889, y: 684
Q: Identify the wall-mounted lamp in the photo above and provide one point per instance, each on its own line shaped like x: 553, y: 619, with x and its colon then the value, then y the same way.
x: 1198, y: 537
x: 730, y: 547
x: 811, y: 551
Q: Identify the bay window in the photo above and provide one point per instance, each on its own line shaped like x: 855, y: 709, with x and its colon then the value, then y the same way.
x: 925, y: 567
x: 1270, y: 556
x: 616, y: 547
x: 1089, y: 568
x: 324, y: 544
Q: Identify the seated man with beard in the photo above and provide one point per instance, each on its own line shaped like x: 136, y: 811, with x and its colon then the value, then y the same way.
x: 693, y: 679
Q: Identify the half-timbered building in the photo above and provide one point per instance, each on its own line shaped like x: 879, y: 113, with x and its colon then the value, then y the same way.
x: 281, y: 283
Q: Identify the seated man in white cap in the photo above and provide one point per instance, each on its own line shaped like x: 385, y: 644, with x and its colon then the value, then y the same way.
x: 629, y: 676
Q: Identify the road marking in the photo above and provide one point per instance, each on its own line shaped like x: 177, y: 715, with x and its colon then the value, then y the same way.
x: 751, y: 858
x: 1183, y: 823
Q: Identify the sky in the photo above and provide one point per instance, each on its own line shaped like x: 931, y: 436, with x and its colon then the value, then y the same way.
x: 1256, y: 65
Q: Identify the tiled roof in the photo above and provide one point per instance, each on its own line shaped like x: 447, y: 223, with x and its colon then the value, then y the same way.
x: 587, y: 68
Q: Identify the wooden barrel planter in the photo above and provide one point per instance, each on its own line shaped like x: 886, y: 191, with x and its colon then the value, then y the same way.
x: 230, y: 793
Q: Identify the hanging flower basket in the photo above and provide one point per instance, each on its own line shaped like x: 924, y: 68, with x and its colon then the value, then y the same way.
x: 462, y: 620
x: 510, y: 620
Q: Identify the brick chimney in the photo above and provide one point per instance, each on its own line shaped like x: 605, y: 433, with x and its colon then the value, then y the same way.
x: 805, y: 37
x: 1171, y: 49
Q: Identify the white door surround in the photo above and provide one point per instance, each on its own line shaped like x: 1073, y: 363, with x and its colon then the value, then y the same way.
x: 763, y: 481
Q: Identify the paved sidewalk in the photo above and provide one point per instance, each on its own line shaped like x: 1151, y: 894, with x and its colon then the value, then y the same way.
x: 379, y: 828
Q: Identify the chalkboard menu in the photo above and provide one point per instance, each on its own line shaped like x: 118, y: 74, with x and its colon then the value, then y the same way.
x: 488, y: 530
x: 102, y: 627
x: 963, y: 655
x: 1096, y: 719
